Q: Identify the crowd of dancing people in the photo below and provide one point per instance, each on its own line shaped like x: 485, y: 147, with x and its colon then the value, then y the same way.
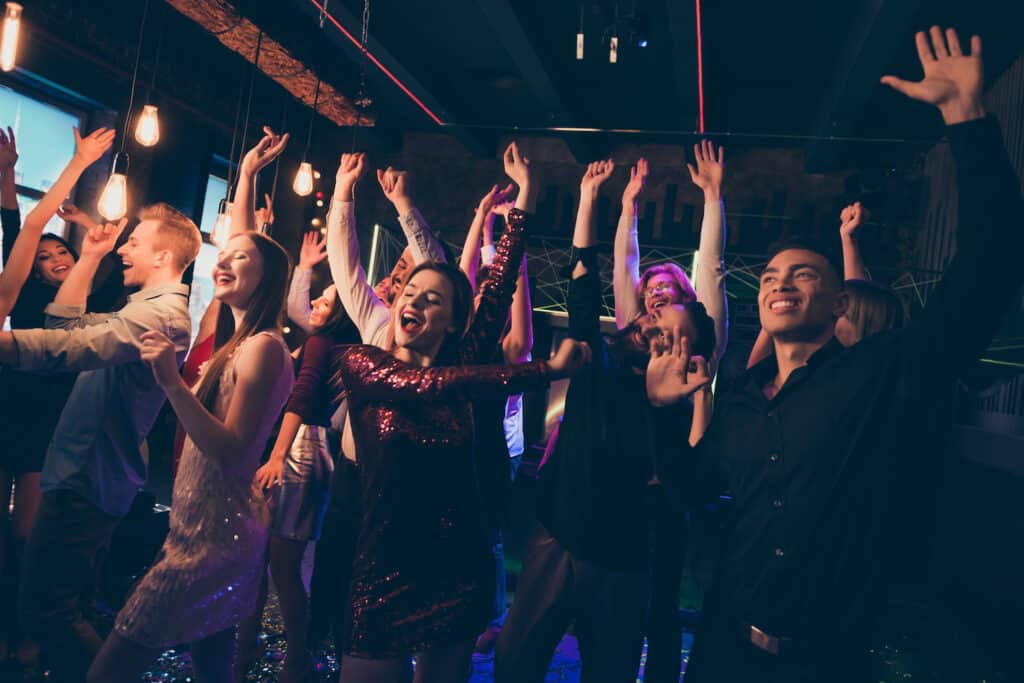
x: 399, y: 428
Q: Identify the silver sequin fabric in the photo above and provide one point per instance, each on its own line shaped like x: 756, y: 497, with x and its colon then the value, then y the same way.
x: 298, y: 505
x: 207, y: 575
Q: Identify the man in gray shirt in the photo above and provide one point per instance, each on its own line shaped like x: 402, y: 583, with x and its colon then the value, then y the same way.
x: 94, y: 466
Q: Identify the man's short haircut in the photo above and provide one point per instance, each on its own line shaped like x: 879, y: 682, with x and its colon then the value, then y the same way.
x: 812, y: 244
x: 183, y: 238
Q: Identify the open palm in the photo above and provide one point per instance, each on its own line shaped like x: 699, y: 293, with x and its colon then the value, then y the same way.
x: 952, y: 80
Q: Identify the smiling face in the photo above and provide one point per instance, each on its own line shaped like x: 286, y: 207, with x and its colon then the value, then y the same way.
x: 661, y: 290
x: 658, y: 327
x: 238, y: 272
x: 142, y: 253
x: 422, y: 314
x: 391, y: 286
x: 800, y: 296
x: 53, y: 262
x: 323, y: 306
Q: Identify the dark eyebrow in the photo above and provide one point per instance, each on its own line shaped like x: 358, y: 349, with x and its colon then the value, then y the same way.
x: 798, y: 266
x: 770, y: 269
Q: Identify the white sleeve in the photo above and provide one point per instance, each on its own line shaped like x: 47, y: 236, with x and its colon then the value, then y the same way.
x: 710, y: 277
x: 626, y: 271
x: 298, y: 298
x: 422, y: 241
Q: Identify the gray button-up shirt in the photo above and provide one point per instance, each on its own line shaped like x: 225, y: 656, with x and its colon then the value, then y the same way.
x: 95, y: 450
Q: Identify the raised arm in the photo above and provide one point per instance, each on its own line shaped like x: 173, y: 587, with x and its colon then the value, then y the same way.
x: 483, y: 218
x: 98, y: 242
x: 423, y: 243
x: 982, y: 282
x: 312, y: 252
x: 496, y: 291
x: 16, y: 271
x: 626, y: 266
x: 10, y: 216
x: 710, y: 277
x: 371, y: 374
x: 518, y: 343
x: 853, y: 263
x: 368, y: 312
x: 243, y: 209
x: 258, y: 365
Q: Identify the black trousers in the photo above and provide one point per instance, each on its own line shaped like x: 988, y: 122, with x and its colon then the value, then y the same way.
x: 608, y: 606
x: 60, y: 568
x: 664, y: 627
x: 335, y: 553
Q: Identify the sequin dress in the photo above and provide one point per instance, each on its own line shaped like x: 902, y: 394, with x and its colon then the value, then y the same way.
x: 423, y: 573
x: 208, y: 573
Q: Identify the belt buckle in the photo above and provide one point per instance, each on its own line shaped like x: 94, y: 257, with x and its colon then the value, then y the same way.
x: 764, y: 641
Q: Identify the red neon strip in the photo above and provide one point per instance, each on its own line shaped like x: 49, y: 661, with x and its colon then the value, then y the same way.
x: 377, y: 63
x: 700, y: 68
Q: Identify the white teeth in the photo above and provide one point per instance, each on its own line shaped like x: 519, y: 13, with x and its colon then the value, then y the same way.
x: 783, y: 305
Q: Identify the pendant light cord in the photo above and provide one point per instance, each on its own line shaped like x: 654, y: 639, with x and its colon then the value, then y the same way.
x: 312, y: 119
x: 156, y: 59
x: 248, y: 105
x: 135, y: 75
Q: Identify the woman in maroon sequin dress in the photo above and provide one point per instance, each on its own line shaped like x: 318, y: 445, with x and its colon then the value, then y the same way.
x: 422, y: 579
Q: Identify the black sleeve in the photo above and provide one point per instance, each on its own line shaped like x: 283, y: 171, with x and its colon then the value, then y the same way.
x: 584, y: 305
x: 10, y: 223
x: 983, y: 280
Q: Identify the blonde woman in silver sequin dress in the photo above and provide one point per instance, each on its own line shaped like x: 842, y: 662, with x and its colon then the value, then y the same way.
x: 207, y: 575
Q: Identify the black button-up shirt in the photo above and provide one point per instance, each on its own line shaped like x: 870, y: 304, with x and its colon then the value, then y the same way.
x: 812, y: 470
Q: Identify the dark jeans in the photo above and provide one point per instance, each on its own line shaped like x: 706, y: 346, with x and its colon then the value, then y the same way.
x: 335, y: 552
x: 69, y: 538
x: 664, y: 628
x: 556, y: 588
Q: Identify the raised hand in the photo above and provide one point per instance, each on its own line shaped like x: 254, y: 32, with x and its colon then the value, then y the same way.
x: 517, y: 166
x: 952, y: 80
x: 8, y: 150
x: 265, y: 214
x: 496, y: 196
x: 157, y: 351
x: 707, y: 175
x: 101, y: 239
x: 350, y: 169
x: 270, y: 474
x: 94, y: 145
x: 637, y: 180
x: 597, y: 173
x: 396, y: 188
x: 850, y: 220
x: 270, y: 147
x: 73, y: 214
x: 671, y: 374
x: 313, y: 250
x: 569, y: 358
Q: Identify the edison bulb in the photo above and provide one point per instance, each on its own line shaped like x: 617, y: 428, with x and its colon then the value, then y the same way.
x: 303, y: 184
x: 9, y: 37
x: 222, y: 226
x: 113, y: 203
x: 147, y: 130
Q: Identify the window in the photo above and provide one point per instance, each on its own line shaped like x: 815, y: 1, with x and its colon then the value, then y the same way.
x: 202, y: 277
x: 45, y: 146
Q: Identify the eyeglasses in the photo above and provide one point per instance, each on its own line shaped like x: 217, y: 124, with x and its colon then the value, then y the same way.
x: 659, y: 288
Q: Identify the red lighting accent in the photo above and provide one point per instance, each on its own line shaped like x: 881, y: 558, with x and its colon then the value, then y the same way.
x: 387, y: 72
x: 700, y: 68
x: 319, y: 195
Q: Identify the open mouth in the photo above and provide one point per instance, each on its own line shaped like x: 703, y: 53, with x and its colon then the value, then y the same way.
x: 223, y: 279
x: 61, y: 269
x: 410, y: 321
x: 657, y: 303
x: 783, y: 305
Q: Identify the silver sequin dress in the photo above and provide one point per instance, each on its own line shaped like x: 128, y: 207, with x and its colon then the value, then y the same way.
x: 207, y: 575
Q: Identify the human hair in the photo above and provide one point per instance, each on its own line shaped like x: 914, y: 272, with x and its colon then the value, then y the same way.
x: 621, y: 344
x: 462, y: 306
x: 872, y: 308
x: 704, y: 325
x: 263, y: 312
x: 338, y: 325
x: 675, y: 272
x: 179, y: 233
x: 812, y: 244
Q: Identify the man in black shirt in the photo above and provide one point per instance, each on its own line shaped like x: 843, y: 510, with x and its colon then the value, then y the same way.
x: 810, y: 440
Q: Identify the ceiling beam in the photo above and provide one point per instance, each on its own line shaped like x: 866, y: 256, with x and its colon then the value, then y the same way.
x: 878, y: 33
x: 506, y: 27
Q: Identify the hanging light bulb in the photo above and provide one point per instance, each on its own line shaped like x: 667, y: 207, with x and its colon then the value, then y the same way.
x: 113, y: 204
x: 222, y: 226
x: 9, y: 38
x: 579, y: 36
x: 613, y: 50
x: 303, y: 184
x: 147, y: 130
